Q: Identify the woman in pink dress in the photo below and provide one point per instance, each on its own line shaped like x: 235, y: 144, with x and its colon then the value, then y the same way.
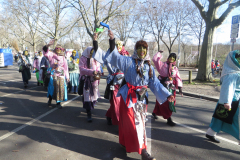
x: 57, y: 88
x: 170, y: 78
x: 89, y: 68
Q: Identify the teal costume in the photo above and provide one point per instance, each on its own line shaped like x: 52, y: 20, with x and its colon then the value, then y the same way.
x: 230, y: 91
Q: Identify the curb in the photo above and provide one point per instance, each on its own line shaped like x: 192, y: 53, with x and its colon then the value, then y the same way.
x: 214, y: 99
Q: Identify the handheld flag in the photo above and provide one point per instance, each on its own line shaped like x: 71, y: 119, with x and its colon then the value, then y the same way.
x: 99, y: 30
x: 105, y: 25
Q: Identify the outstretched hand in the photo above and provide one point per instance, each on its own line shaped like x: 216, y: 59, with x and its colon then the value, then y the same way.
x: 95, y: 36
x: 110, y: 34
x: 171, y: 98
x: 51, y: 42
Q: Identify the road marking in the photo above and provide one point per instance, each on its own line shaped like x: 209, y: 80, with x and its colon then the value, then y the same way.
x: 148, y: 132
x: 204, y: 132
x: 33, y: 121
x: 19, y: 91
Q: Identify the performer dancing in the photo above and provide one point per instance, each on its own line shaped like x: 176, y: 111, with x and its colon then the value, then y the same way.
x: 57, y: 88
x: 230, y: 92
x: 90, y: 72
x: 73, y: 71
x: 133, y: 105
x: 25, y: 64
x: 170, y: 78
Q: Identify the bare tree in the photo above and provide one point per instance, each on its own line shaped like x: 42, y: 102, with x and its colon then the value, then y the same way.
x: 167, y: 18
x: 56, y: 20
x: 25, y: 13
x: 123, y: 26
x: 97, y: 11
x: 197, y: 26
x: 209, y: 14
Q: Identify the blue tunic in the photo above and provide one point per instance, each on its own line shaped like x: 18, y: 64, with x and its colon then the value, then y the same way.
x: 101, y: 56
x: 128, y: 67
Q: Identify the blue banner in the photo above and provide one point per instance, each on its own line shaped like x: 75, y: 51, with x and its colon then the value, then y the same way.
x: 8, y: 57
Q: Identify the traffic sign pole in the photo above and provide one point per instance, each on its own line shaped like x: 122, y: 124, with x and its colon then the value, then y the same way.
x: 234, y: 29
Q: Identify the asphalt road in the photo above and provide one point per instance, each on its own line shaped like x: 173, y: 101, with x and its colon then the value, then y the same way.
x: 30, y: 130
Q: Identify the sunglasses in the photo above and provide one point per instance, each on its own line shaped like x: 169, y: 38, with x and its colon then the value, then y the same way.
x: 62, y: 49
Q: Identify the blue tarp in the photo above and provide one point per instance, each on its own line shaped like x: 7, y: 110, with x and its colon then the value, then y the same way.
x: 8, y: 57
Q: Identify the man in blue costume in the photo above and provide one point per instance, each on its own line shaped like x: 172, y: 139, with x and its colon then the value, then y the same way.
x: 230, y: 91
x: 139, y: 74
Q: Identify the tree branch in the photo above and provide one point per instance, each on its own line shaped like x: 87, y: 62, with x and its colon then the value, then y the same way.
x: 231, y: 7
x: 221, y: 3
x: 200, y: 8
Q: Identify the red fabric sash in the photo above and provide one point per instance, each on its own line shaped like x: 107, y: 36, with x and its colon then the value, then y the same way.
x: 116, y: 73
x: 131, y: 91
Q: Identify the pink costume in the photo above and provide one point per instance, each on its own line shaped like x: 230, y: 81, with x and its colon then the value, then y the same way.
x: 89, y: 99
x: 60, y: 60
x: 163, y: 70
x: 39, y: 71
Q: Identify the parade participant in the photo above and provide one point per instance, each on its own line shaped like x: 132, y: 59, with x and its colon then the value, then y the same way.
x: 16, y: 57
x: 36, y: 67
x: 114, y: 80
x: 90, y: 72
x: 170, y: 78
x: 24, y: 64
x: 45, y: 65
x: 213, y: 66
x: 57, y: 88
x: 121, y: 48
x: 133, y: 105
x: 73, y: 71
x: 230, y: 92
x: 218, y: 65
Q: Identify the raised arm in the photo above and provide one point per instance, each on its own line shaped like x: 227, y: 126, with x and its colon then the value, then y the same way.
x: 98, y: 53
x: 157, y: 61
x: 49, y: 55
x: 114, y: 58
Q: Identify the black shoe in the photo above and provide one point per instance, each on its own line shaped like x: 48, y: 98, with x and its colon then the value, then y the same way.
x: 38, y: 83
x: 89, y: 116
x: 212, y: 138
x: 109, y: 121
x: 25, y: 85
x: 170, y: 122
x: 155, y: 116
x: 41, y: 84
x: 146, y: 156
x: 49, y: 104
x: 59, y: 106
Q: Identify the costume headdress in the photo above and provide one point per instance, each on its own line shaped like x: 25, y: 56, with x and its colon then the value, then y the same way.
x: 61, y: 48
x: 145, y: 59
x: 231, y: 65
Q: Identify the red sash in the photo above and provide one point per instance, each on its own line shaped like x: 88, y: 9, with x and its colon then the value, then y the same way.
x: 131, y: 91
x: 117, y: 73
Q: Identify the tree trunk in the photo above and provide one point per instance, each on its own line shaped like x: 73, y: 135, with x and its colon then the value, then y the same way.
x: 34, y: 47
x: 205, y: 57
